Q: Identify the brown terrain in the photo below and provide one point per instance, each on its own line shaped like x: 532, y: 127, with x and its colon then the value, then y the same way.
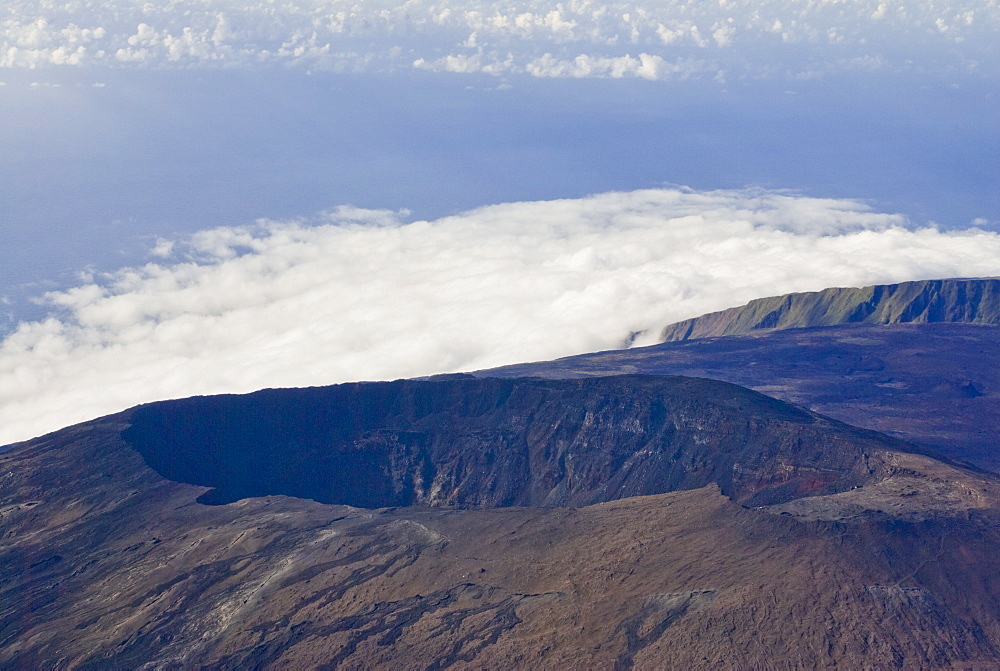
x: 601, y: 520
x: 889, y: 563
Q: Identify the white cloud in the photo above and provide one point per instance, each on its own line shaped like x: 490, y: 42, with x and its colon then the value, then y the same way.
x: 363, y: 294
x: 470, y: 63
x: 332, y: 33
x: 644, y: 66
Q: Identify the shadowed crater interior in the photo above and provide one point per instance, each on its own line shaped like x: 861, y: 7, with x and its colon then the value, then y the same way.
x: 487, y: 442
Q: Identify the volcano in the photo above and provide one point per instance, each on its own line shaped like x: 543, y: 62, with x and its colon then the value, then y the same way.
x: 601, y: 511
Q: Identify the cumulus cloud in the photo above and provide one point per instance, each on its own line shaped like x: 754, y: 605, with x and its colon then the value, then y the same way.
x: 340, y: 35
x: 365, y: 294
x: 643, y: 66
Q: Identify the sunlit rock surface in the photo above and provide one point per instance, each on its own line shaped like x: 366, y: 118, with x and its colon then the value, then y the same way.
x: 967, y: 301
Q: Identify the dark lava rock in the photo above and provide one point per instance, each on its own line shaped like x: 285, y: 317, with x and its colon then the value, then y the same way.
x: 486, y: 443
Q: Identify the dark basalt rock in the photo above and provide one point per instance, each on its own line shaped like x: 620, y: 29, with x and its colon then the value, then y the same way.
x: 967, y: 301
x: 487, y: 443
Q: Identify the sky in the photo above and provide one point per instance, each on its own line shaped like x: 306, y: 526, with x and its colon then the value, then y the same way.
x: 212, y: 196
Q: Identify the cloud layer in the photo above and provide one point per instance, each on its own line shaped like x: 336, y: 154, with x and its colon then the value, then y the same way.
x: 364, y: 294
x: 580, y: 38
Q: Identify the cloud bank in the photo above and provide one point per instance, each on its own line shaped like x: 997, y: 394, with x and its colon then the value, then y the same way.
x: 364, y: 294
x: 545, y: 38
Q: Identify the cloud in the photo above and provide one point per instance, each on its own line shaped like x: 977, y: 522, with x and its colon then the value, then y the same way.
x: 364, y: 294
x: 939, y: 36
x: 643, y: 66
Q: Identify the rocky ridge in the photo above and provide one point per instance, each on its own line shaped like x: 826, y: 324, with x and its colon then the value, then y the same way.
x: 970, y: 301
x: 487, y: 442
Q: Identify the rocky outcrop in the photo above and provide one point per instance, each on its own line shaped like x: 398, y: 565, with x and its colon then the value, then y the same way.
x: 487, y: 443
x: 972, y: 301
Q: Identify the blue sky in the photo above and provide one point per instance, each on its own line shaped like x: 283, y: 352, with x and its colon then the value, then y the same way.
x: 129, y: 128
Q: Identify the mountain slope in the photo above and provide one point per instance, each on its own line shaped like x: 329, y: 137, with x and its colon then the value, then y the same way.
x: 106, y: 564
x: 972, y: 301
x: 937, y: 385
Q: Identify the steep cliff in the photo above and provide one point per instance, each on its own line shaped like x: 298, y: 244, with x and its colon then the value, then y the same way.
x: 486, y: 443
x: 973, y: 301
x: 934, y: 384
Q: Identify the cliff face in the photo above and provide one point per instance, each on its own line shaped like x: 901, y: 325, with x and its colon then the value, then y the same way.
x: 934, y: 384
x: 489, y: 443
x: 973, y: 301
